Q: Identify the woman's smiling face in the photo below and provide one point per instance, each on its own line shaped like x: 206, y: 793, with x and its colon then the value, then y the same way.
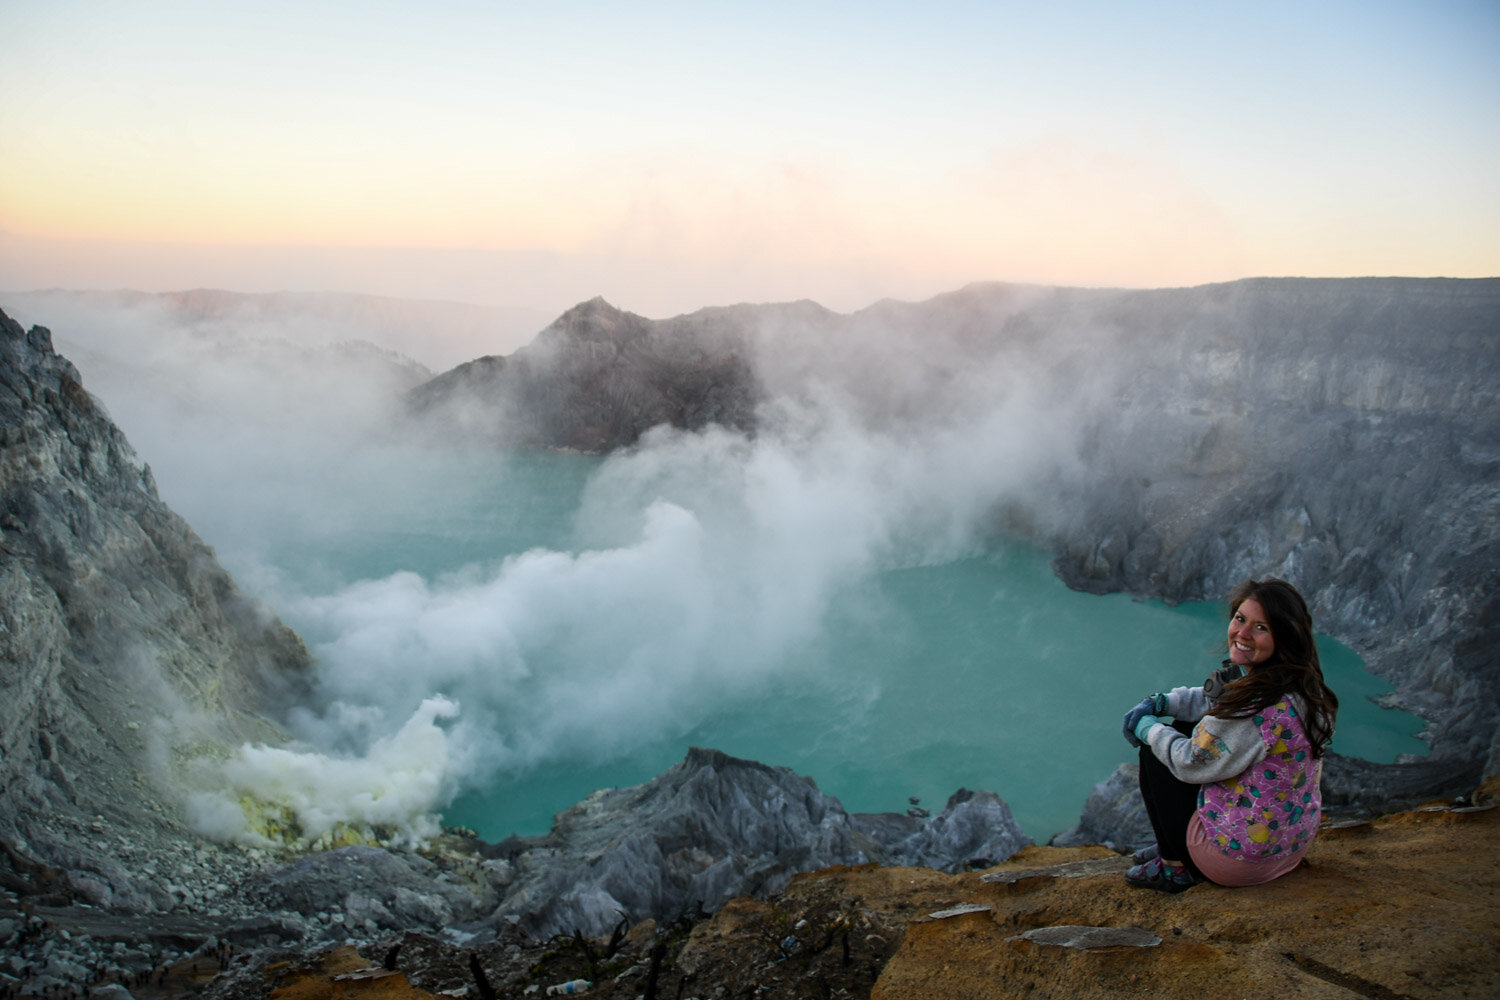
x: 1250, y: 639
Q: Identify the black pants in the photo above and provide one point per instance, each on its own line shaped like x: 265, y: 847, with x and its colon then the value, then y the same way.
x: 1170, y: 802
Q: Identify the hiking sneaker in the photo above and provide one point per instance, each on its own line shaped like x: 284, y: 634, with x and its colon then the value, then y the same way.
x: 1146, y: 854
x: 1155, y: 874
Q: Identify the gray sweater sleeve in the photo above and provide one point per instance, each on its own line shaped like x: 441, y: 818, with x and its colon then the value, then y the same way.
x: 1187, y: 704
x: 1218, y: 749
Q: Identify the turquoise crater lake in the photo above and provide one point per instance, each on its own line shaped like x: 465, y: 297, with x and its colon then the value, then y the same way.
x: 905, y: 681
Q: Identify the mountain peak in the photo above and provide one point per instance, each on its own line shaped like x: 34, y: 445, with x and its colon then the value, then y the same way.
x: 595, y: 320
x: 595, y: 308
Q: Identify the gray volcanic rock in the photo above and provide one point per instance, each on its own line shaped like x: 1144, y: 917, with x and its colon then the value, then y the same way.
x: 127, y: 649
x: 1113, y: 815
x: 597, y: 379
x: 371, y: 889
x: 1354, y: 787
x: 705, y: 831
x: 974, y: 830
x: 714, y: 827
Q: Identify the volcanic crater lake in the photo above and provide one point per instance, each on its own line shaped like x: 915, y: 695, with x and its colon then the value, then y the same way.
x: 907, y: 681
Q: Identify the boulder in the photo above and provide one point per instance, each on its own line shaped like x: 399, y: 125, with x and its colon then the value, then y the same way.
x: 714, y: 827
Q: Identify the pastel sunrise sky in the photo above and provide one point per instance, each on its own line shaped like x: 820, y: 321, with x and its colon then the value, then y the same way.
x: 672, y: 155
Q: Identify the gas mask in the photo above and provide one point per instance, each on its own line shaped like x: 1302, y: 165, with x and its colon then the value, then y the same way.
x: 1217, y: 681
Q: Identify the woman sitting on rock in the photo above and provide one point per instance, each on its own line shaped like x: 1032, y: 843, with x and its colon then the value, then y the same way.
x: 1231, y: 785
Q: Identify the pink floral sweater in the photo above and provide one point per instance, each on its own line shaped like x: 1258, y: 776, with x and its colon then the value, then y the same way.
x: 1260, y: 797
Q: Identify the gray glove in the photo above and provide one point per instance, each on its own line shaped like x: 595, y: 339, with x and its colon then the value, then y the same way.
x: 1153, y: 705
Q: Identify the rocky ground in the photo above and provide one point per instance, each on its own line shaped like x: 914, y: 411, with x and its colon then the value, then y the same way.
x: 1403, y: 905
x: 683, y: 844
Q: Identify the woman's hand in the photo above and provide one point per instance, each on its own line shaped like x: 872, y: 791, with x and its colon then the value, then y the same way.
x: 1147, y: 707
x: 1143, y: 726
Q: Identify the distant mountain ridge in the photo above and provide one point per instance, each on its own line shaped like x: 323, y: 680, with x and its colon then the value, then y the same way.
x: 435, y: 333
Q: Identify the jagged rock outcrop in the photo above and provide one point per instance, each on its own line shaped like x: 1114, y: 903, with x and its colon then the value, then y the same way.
x: 714, y: 827
x: 371, y: 889
x: 1114, y: 815
x: 125, y: 647
x: 974, y: 830
x: 595, y: 380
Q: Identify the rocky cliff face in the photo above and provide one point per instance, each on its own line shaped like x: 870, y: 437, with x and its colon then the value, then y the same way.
x: 126, y: 649
x: 1341, y: 434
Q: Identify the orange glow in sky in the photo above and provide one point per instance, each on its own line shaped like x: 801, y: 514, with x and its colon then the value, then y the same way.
x: 671, y: 155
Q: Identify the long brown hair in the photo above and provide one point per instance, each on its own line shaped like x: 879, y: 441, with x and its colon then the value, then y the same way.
x: 1293, y: 667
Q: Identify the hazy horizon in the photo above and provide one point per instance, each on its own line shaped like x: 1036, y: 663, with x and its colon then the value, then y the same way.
x: 669, y: 157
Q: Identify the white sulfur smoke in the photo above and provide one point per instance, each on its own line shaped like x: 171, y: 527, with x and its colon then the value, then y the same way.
x: 276, y: 795
x: 707, y: 565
